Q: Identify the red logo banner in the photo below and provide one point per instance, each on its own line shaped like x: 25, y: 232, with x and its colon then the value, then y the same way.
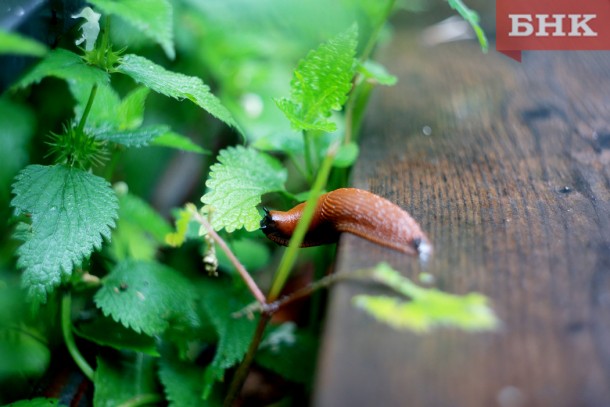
x: 551, y: 25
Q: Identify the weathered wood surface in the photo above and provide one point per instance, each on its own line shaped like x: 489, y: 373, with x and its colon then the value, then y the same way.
x: 513, y: 188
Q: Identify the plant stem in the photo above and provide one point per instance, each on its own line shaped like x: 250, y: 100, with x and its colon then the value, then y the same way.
x: 242, y: 371
x: 83, y: 120
x: 349, y: 110
x: 290, y: 255
x: 307, y: 140
x: 350, y: 121
x: 105, y: 38
x: 66, y: 329
x: 254, y: 289
x: 375, y: 34
x: 355, y: 110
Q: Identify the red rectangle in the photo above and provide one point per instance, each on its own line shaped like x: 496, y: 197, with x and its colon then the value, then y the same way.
x: 552, y: 25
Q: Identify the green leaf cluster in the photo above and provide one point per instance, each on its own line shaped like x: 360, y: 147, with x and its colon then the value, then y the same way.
x: 321, y: 83
x: 428, y: 307
x: 220, y: 301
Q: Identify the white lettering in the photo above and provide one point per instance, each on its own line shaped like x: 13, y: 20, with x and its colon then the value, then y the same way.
x: 577, y: 25
x: 544, y: 23
x: 517, y: 23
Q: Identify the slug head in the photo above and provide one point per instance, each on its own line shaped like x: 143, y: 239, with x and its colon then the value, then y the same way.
x: 273, y: 227
x: 279, y: 227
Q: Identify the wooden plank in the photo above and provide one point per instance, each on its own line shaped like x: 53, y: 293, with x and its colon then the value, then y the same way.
x: 513, y: 188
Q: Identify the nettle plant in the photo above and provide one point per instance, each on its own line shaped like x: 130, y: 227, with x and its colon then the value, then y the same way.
x: 155, y: 333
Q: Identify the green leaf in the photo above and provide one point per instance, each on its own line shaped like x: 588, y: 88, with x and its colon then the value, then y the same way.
x: 71, y: 211
x: 175, y: 85
x: 152, y: 17
x: 288, y: 142
x: 220, y: 300
x: 179, y: 142
x: 141, y: 214
x: 147, y: 297
x: 140, y: 137
x: 376, y: 72
x: 64, y: 65
x: 106, y: 332
x: 289, y: 352
x: 140, y: 230
x: 131, y: 109
x: 17, y: 44
x: 321, y: 83
x: 123, y: 378
x: 182, y: 383
x: 346, y: 156
x: 23, y: 351
x: 472, y: 18
x: 236, y: 184
x: 17, y: 128
x: 37, y: 402
x: 428, y: 308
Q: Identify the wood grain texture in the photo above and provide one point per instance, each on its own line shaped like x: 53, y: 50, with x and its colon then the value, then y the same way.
x: 512, y: 186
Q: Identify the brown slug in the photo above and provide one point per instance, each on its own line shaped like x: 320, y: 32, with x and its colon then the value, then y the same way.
x: 354, y: 211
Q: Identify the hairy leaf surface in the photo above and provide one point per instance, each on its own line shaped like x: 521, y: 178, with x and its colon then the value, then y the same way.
x: 175, y: 85
x: 147, y: 297
x: 321, y: 83
x: 65, y: 65
x: 236, y: 184
x: 220, y: 301
x: 71, y: 211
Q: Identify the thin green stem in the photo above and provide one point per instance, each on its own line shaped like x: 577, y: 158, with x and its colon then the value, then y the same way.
x: 242, y: 371
x: 376, y: 30
x: 66, y: 329
x: 290, y: 255
x: 358, y: 107
x: 349, y: 110
x: 83, y: 119
x: 307, y: 140
x: 105, y: 35
x: 352, y: 123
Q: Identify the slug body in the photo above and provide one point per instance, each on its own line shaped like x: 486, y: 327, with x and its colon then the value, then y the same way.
x: 354, y: 211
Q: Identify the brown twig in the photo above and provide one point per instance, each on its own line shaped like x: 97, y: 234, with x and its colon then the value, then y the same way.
x: 252, y: 286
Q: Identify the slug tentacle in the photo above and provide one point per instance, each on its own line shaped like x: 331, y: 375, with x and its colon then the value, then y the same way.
x: 355, y: 211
